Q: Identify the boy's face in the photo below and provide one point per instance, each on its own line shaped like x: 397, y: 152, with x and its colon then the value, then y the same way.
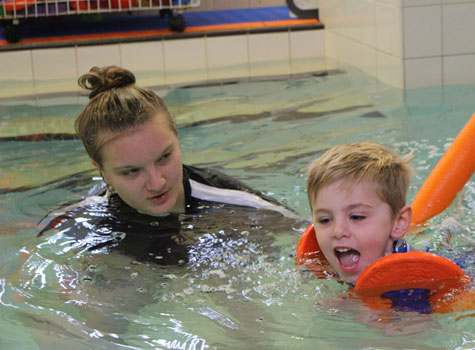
x: 354, y: 226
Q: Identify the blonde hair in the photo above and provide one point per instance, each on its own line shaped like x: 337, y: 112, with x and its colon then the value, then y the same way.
x: 359, y: 161
x: 116, y: 104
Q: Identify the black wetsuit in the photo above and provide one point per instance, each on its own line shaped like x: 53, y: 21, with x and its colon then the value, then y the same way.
x: 215, y: 204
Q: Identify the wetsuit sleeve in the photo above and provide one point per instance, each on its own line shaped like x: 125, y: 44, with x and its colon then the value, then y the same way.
x: 218, y: 179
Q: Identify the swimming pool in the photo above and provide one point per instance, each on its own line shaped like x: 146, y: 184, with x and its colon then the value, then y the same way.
x: 241, y: 289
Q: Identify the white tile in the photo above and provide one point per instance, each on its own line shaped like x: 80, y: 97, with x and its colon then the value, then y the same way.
x: 414, y: 3
x: 448, y: 2
x: 269, y: 54
x: 360, y: 56
x: 327, y: 12
x: 340, y: 16
x: 97, y: 56
x: 227, y: 57
x: 311, y: 64
x: 55, y: 70
x: 306, y: 50
x: 422, y: 31
x: 352, y: 19
x: 336, y: 17
x: 306, y: 43
x: 16, y: 74
x: 459, y: 69
x: 145, y: 60
x: 459, y: 29
x: 396, y: 3
x: 331, y: 47
x: 361, y: 21
x: 16, y: 65
x: 423, y: 72
x: 389, y: 30
x: 185, y: 60
x: 390, y: 70
x: 343, y: 50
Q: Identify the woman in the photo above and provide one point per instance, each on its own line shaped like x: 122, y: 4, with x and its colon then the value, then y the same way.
x: 132, y: 140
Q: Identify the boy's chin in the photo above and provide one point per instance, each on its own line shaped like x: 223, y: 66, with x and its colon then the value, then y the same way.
x: 351, y: 279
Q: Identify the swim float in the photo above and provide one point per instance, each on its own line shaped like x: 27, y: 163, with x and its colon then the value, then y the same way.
x: 415, y: 281
x: 448, y: 177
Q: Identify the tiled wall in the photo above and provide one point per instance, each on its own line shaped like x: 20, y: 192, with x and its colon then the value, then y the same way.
x: 405, y: 43
x: 169, y: 62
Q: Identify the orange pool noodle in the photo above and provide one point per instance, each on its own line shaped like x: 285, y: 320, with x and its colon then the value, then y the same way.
x: 448, y: 177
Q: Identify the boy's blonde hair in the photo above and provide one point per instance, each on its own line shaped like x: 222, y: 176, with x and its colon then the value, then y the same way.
x: 359, y: 161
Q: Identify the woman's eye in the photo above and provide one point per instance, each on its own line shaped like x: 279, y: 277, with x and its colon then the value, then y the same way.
x: 164, y: 157
x: 129, y: 172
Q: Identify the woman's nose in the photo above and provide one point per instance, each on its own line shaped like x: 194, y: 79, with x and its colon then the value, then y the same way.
x: 155, y: 180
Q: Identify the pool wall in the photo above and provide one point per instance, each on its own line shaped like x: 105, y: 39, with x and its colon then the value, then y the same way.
x: 404, y: 43
x: 42, y: 72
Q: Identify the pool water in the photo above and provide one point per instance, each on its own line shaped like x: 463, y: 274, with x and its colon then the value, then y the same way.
x: 240, y: 288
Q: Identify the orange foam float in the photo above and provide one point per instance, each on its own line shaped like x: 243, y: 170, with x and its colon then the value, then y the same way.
x: 308, y: 247
x: 309, y: 254
x: 443, y: 281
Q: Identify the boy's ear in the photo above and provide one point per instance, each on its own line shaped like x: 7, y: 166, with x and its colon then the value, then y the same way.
x: 402, y: 222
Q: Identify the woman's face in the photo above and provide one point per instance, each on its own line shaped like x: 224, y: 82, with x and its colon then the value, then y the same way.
x: 144, y: 167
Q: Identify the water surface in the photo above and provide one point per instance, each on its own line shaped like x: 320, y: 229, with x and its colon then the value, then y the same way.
x: 240, y: 288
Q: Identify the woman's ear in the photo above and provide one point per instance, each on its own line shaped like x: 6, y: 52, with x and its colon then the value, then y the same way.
x: 402, y: 222
x: 98, y: 167
x: 96, y: 164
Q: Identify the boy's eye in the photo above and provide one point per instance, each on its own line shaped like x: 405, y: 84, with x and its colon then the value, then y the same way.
x: 357, y: 217
x: 323, y: 221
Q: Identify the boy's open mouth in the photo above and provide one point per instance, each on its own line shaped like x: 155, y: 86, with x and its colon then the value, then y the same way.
x: 348, y: 258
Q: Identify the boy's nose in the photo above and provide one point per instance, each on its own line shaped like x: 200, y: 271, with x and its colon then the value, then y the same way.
x: 340, y: 230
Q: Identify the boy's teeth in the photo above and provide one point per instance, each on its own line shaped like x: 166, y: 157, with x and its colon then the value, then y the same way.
x: 342, y: 250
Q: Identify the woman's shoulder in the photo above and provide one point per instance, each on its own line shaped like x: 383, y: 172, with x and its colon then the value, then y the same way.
x: 205, y: 184
x: 215, y: 178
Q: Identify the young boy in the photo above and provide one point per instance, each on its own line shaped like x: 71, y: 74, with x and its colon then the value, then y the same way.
x: 357, y: 194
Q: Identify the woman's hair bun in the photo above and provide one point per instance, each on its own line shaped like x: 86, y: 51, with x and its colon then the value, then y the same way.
x: 102, y: 79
